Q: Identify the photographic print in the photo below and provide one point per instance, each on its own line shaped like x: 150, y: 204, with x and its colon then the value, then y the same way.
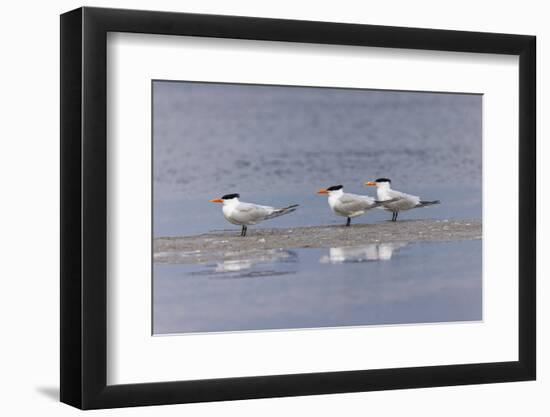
x: 298, y: 207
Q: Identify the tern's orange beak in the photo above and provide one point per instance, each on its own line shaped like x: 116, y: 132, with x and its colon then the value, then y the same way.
x: 370, y: 183
x: 322, y: 191
x: 216, y: 200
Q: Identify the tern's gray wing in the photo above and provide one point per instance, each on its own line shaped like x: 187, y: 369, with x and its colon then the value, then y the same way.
x: 354, y: 202
x: 398, y: 194
x: 252, y: 212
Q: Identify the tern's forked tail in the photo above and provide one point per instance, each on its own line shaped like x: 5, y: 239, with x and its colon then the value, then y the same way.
x: 428, y: 203
x: 282, y: 211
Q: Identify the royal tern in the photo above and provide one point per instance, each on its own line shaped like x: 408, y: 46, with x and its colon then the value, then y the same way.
x: 396, y: 201
x: 346, y: 204
x: 245, y: 214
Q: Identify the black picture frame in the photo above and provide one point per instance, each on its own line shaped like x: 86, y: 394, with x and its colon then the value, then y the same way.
x: 84, y: 207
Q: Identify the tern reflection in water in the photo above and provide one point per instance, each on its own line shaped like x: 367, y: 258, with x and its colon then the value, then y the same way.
x: 370, y: 252
x: 251, y: 260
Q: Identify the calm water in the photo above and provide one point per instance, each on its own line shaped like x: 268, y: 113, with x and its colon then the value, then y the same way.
x: 279, y: 145
x: 419, y: 282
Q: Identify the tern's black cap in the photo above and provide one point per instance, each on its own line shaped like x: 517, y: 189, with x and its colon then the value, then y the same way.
x: 383, y: 180
x: 335, y: 187
x: 230, y: 196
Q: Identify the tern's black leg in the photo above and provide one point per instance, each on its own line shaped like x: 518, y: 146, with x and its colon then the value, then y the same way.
x: 244, y: 230
x: 348, y: 222
x: 396, y: 214
x: 394, y: 217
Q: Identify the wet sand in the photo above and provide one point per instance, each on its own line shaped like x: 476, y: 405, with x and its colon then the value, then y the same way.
x: 226, y: 245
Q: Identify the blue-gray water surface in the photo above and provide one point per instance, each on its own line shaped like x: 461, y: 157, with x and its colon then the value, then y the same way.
x: 278, y: 145
x: 392, y: 283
